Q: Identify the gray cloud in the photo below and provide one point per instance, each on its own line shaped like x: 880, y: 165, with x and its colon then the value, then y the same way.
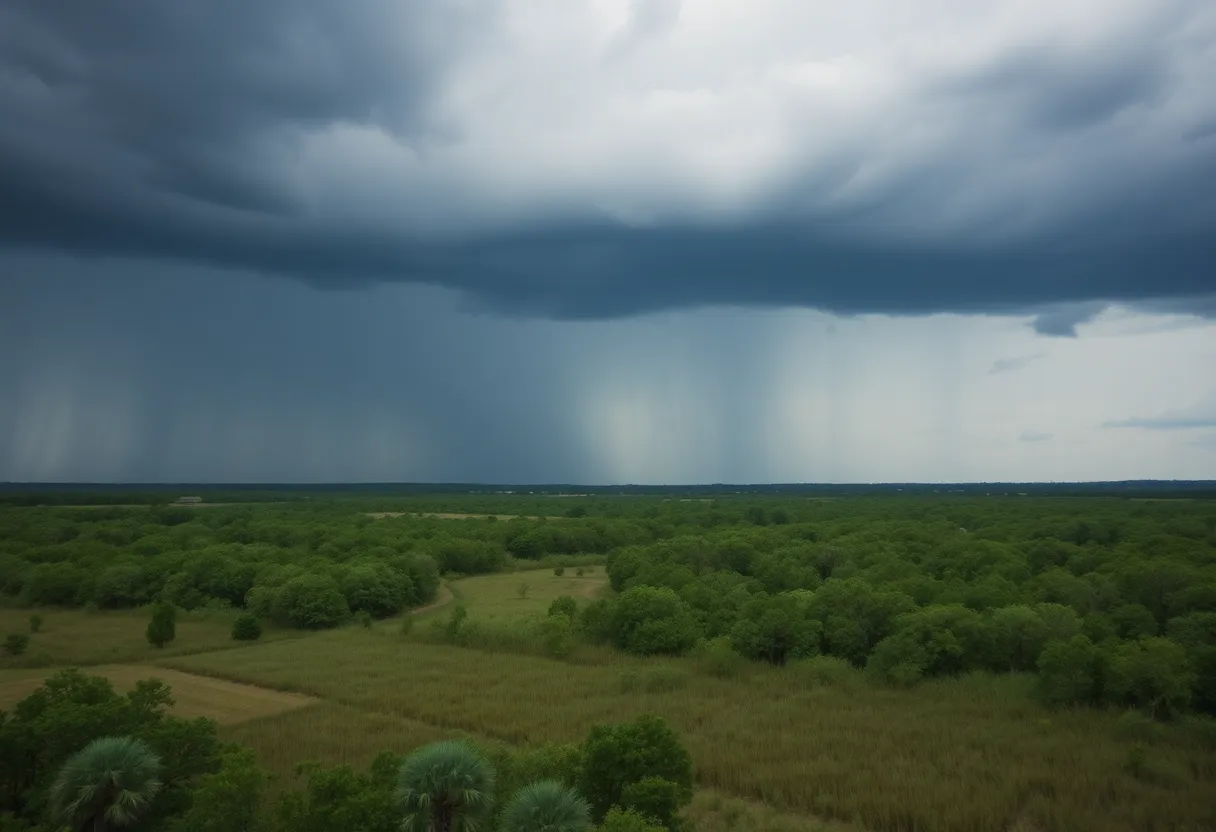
x: 1034, y: 436
x: 347, y: 142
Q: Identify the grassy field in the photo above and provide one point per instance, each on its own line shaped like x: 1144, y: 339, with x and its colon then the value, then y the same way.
x: 516, y: 594
x: 775, y: 750
x: 970, y: 754
x: 79, y: 638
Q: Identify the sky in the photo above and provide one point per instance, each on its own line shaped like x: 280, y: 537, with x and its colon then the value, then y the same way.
x: 607, y: 241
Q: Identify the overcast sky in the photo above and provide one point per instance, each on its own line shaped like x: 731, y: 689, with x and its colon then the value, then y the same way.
x: 607, y: 241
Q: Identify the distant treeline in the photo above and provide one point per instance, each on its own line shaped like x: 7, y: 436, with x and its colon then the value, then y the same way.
x: 31, y: 494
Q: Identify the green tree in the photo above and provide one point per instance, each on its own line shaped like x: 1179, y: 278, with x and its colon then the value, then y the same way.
x: 445, y: 787
x: 1019, y: 635
x: 228, y: 799
x: 776, y: 628
x: 1070, y: 672
x: 340, y: 798
x: 1151, y: 673
x: 246, y: 627
x: 651, y: 620
x: 110, y: 783
x: 1134, y: 621
x: 311, y: 602
x: 546, y: 806
x: 618, y: 756
x: 162, y: 629
x: 35, y: 623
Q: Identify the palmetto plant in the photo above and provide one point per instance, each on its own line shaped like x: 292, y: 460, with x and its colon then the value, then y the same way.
x: 546, y: 806
x: 108, y: 784
x: 445, y: 787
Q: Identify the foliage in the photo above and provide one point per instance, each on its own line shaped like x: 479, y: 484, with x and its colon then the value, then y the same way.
x: 628, y: 820
x: 342, y: 798
x: 619, y: 756
x: 228, y: 799
x: 311, y: 602
x: 35, y: 623
x: 1151, y: 673
x: 246, y: 627
x: 546, y: 806
x: 70, y: 711
x: 718, y: 657
x: 1071, y: 672
x: 564, y: 605
x: 16, y: 643
x: 162, y: 629
x: 111, y: 781
x: 656, y: 798
x: 445, y: 786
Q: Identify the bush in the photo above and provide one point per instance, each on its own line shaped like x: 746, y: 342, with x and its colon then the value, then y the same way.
x: 557, y: 633
x: 364, y: 618
x: 162, y: 629
x: 628, y: 820
x: 564, y: 605
x: 559, y: 571
x: 16, y: 643
x: 407, y: 624
x: 717, y: 657
x: 654, y: 798
x: 35, y: 623
x: 246, y: 627
x: 619, y: 756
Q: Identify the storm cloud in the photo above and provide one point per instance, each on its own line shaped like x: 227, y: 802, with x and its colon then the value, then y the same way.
x: 594, y: 160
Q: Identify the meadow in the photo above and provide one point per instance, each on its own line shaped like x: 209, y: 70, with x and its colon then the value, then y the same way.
x: 810, y: 742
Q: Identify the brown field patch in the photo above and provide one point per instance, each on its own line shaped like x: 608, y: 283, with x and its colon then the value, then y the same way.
x: 228, y: 703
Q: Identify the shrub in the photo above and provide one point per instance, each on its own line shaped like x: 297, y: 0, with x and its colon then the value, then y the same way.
x: 16, y: 643
x: 455, y: 621
x: 559, y: 571
x: 407, y: 624
x: 162, y: 629
x: 718, y: 657
x: 35, y: 623
x: 619, y: 756
x: 628, y: 820
x: 557, y: 633
x: 654, y: 798
x: 246, y: 627
x: 580, y: 571
x: 564, y: 605
x: 364, y: 618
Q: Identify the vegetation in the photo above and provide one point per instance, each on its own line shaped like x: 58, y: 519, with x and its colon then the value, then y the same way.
x: 952, y: 662
x: 110, y: 783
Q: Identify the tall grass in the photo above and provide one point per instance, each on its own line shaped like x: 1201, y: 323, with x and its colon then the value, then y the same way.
x: 964, y: 755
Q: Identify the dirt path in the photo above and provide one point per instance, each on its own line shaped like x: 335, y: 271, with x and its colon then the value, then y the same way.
x: 444, y: 596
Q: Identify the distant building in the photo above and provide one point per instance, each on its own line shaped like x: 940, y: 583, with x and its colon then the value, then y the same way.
x: 187, y: 501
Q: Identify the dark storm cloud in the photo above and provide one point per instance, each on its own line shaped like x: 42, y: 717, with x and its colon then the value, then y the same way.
x: 173, y: 130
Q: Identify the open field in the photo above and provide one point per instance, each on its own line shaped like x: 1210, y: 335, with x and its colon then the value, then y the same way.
x: 511, y: 595
x: 962, y: 754
x: 79, y: 638
x: 448, y: 515
x: 228, y: 703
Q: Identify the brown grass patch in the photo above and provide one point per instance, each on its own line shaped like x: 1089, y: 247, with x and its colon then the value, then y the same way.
x: 228, y: 703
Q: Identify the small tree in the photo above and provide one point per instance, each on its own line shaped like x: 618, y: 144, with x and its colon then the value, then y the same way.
x: 246, y: 627
x: 559, y: 571
x: 445, y: 787
x: 523, y: 591
x: 111, y: 782
x: 162, y: 629
x: 547, y: 806
x: 619, y: 756
x: 35, y: 623
x: 16, y: 643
